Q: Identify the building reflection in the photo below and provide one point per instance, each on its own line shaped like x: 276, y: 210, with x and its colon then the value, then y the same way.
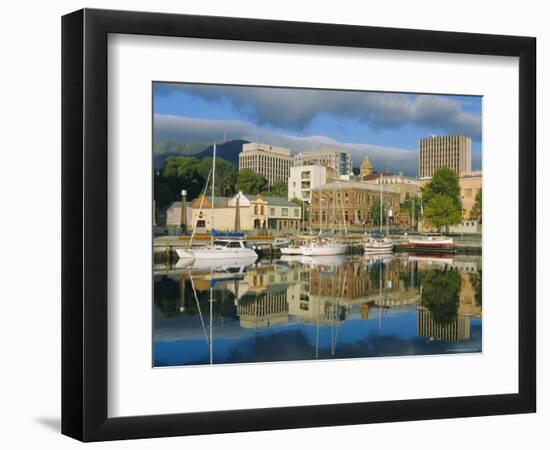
x: 446, y: 293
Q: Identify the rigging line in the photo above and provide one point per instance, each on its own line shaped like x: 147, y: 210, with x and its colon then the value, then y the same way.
x: 199, y: 308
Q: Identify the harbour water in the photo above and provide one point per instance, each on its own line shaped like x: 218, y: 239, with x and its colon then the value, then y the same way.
x: 299, y: 308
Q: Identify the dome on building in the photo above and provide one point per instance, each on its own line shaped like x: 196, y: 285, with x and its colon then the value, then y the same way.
x: 366, y: 167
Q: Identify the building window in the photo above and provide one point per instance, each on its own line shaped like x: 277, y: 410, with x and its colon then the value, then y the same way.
x: 255, y: 210
x: 285, y: 212
x: 296, y: 213
x: 272, y: 211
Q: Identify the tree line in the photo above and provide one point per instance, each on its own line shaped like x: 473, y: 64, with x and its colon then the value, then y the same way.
x: 190, y: 173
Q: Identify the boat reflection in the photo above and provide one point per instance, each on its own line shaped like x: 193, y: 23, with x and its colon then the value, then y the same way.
x: 299, y: 307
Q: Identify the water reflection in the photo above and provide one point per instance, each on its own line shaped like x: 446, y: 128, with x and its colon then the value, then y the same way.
x: 300, y: 308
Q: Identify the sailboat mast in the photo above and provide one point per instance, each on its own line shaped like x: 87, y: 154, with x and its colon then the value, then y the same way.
x: 381, y: 201
x: 210, y: 347
x: 320, y: 205
x: 213, y: 185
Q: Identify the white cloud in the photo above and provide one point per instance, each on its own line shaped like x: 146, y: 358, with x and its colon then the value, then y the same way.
x: 186, y: 129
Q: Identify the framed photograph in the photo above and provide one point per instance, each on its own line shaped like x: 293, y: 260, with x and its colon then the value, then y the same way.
x: 273, y: 224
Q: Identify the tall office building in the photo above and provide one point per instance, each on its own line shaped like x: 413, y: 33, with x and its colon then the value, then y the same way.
x: 272, y: 162
x: 436, y: 152
x: 339, y: 160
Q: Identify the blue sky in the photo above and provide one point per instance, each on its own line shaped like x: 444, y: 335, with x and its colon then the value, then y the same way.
x: 384, y: 126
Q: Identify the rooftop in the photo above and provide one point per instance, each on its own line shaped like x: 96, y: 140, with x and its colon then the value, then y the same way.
x: 357, y: 185
x: 218, y: 201
x: 321, y: 150
x: 254, y: 146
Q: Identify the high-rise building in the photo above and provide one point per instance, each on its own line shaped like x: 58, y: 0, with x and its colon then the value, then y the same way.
x: 436, y: 152
x: 272, y: 162
x: 339, y: 160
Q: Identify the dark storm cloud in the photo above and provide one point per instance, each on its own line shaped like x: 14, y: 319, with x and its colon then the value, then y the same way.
x: 294, y: 109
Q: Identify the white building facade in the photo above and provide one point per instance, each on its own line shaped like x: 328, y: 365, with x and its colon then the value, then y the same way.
x: 303, y: 179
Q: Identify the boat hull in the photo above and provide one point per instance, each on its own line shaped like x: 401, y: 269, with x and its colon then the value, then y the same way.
x: 326, y: 251
x: 378, y: 246
x: 432, y: 243
x: 292, y: 251
x: 216, y: 254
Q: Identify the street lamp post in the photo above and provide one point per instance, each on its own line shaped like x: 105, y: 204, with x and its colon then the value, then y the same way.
x: 183, y: 217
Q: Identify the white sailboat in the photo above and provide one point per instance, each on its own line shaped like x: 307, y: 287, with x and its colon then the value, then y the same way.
x: 233, y: 251
x: 376, y: 244
x: 324, y: 245
x: 233, y: 248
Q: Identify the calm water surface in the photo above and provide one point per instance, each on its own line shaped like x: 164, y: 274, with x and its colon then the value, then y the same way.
x: 299, y: 308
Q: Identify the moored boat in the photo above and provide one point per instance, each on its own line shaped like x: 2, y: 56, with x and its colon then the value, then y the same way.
x: 224, y: 245
x: 220, y: 248
x: 296, y: 246
x: 377, y: 244
x: 325, y: 247
x: 432, y: 242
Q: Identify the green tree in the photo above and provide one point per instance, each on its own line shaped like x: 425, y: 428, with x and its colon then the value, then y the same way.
x: 441, y: 211
x: 476, y: 212
x: 277, y: 189
x: 163, y: 194
x: 441, y: 198
x: 411, y: 206
x: 445, y: 182
x: 440, y: 294
x: 182, y: 172
x: 250, y: 182
x: 226, y: 175
x: 374, y: 212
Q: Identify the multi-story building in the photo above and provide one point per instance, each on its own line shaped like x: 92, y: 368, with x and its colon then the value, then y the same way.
x: 339, y: 160
x: 304, y: 179
x: 254, y: 212
x: 470, y: 184
x: 407, y: 186
x: 436, y: 152
x: 350, y: 202
x: 272, y: 162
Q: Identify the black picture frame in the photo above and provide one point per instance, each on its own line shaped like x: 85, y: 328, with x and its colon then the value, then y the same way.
x: 84, y: 224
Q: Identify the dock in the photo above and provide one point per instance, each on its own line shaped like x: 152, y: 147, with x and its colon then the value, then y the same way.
x: 164, y: 247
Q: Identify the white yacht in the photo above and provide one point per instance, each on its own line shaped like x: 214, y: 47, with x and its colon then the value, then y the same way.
x: 219, y: 249
x: 296, y: 246
x: 377, y: 244
x: 324, y: 246
x: 231, y: 248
